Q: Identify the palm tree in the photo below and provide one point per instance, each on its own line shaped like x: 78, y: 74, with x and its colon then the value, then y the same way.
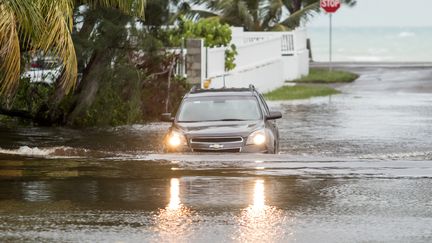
x: 45, y: 25
x: 302, y: 10
x: 256, y: 15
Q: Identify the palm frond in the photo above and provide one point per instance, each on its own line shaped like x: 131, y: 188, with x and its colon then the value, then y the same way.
x: 271, y: 13
x: 303, y: 14
x: 9, y: 51
x: 279, y: 27
x: 135, y: 7
x: 57, y: 39
x: 195, y: 15
x: 29, y: 20
x: 186, y: 10
x: 236, y: 12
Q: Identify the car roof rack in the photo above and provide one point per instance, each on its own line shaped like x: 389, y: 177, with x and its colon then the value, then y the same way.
x: 197, y: 89
x: 194, y: 88
x: 252, y: 88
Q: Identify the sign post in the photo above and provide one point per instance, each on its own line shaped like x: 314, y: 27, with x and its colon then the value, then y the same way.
x: 330, y: 6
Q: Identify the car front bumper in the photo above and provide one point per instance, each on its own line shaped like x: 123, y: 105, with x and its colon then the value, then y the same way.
x: 243, y: 149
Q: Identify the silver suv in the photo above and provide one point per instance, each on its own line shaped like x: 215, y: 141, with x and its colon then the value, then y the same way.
x: 223, y: 120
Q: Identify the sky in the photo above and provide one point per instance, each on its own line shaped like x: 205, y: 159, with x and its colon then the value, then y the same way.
x: 380, y: 13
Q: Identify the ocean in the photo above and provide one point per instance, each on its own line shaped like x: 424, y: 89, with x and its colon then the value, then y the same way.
x: 372, y: 44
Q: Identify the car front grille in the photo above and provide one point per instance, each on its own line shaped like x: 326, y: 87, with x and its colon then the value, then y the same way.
x: 216, y: 144
x: 217, y: 140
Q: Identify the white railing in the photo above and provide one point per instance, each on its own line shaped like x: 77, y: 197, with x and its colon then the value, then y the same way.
x: 287, y: 44
x: 290, y: 42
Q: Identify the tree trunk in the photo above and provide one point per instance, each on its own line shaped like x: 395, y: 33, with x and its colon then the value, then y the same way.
x: 89, y: 84
x: 16, y: 113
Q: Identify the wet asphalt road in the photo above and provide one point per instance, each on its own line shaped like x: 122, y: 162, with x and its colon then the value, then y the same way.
x: 353, y: 167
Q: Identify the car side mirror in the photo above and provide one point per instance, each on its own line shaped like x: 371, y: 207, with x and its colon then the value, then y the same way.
x: 166, y: 117
x: 274, y: 115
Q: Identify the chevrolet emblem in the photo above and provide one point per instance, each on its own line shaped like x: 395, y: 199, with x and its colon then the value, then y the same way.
x: 216, y: 146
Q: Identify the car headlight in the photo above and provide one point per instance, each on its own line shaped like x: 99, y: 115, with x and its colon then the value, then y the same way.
x: 176, y: 139
x: 257, y: 138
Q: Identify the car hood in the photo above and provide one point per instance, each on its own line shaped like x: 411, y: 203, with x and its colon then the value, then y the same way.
x: 219, y: 128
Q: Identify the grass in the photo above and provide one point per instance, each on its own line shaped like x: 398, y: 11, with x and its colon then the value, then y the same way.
x: 316, y: 76
x: 322, y: 75
x: 300, y: 92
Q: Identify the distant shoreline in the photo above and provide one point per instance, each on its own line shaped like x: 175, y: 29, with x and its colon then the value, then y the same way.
x: 374, y: 64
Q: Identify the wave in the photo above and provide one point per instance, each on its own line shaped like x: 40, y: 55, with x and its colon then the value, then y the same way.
x: 51, y: 152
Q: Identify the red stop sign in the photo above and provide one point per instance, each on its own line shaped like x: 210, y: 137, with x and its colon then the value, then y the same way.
x: 330, y: 6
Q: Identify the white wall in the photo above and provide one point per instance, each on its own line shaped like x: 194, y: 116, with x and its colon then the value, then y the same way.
x: 215, y: 61
x: 265, y: 78
x: 264, y: 59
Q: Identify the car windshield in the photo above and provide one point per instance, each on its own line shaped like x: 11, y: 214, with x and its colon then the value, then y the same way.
x: 225, y: 108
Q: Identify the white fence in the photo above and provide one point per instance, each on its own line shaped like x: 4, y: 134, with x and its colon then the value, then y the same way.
x: 264, y: 59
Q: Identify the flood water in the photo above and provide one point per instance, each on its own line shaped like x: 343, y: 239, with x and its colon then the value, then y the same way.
x: 354, y: 167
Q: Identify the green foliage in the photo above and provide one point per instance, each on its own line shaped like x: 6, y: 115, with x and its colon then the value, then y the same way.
x: 130, y: 68
x: 323, y: 75
x: 230, y: 55
x: 36, y: 101
x: 211, y: 30
x: 45, y: 25
x: 32, y: 97
x: 124, y: 75
x: 300, y: 92
x: 127, y: 94
x: 117, y: 100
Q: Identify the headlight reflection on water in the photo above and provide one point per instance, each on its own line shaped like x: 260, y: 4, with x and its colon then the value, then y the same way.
x: 258, y: 196
x: 174, y: 202
x: 260, y: 222
x: 174, y: 221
